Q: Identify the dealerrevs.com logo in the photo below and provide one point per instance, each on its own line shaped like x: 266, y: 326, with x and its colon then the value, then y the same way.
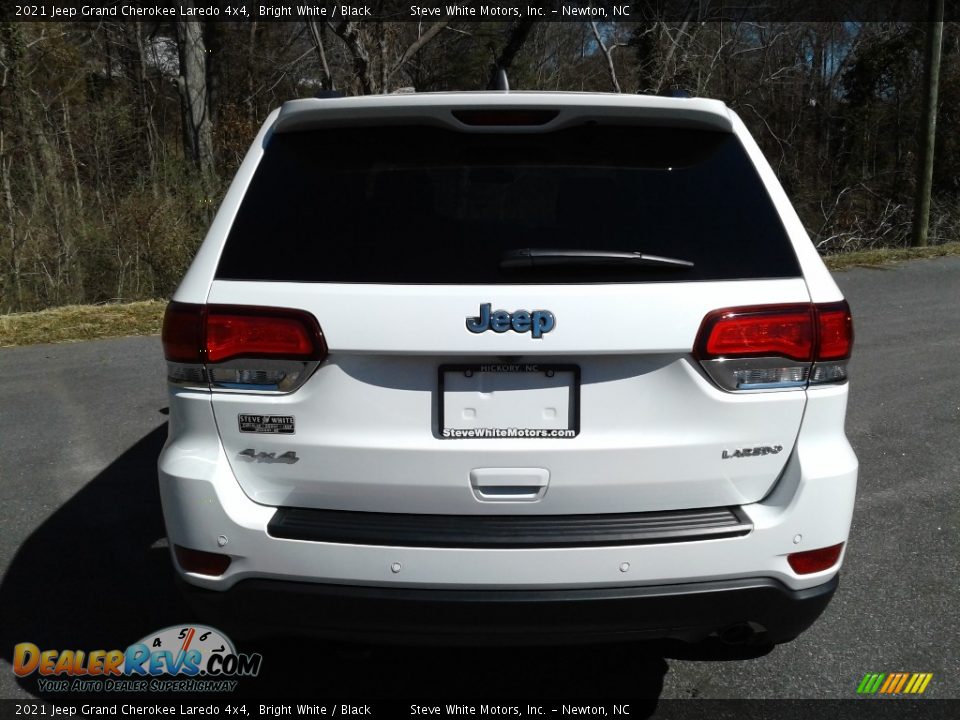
x: 180, y: 658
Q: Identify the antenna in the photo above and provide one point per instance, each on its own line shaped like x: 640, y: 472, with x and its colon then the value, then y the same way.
x: 502, y: 83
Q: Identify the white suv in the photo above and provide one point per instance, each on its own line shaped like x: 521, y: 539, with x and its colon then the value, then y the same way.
x: 508, y: 367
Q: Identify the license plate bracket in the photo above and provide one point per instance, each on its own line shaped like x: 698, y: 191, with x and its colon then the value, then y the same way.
x: 509, y: 400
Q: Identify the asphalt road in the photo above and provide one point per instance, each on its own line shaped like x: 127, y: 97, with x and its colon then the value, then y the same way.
x: 84, y: 562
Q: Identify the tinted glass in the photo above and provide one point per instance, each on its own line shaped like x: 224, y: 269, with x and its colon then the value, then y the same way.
x: 429, y: 205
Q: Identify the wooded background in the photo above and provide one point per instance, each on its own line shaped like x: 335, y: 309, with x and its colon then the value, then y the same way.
x: 118, y: 139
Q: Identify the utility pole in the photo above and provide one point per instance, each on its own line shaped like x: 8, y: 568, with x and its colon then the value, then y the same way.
x: 928, y: 124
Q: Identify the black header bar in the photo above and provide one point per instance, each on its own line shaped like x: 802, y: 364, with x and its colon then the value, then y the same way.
x: 626, y: 708
x: 477, y: 11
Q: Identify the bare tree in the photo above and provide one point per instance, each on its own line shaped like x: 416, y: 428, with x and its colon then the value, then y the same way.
x: 608, y: 55
x: 194, y: 96
x: 350, y: 34
x: 317, y: 37
x: 504, y: 59
x: 374, y: 72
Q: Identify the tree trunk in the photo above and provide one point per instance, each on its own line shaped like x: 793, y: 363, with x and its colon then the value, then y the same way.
x: 518, y: 36
x: 416, y: 46
x: 12, y: 230
x: 11, y: 51
x: 349, y: 32
x: 194, y: 98
x: 251, y: 73
x: 317, y: 37
x: 665, y: 71
x: 928, y: 125
x: 148, y: 128
x: 213, y: 37
x: 611, y: 68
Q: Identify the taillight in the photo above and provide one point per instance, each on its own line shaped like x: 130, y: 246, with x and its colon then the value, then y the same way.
x: 241, y: 348
x: 811, y: 561
x: 183, y: 344
x: 183, y: 332
x: 835, y: 331
x: 775, y: 347
x: 835, y: 336
x: 261, y: 333
x: 781, y: 331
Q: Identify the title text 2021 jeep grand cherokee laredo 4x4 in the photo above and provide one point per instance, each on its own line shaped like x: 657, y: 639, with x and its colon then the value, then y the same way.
x: 519, y: 366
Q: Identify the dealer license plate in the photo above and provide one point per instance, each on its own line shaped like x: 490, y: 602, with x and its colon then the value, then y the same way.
x: 509, y: 400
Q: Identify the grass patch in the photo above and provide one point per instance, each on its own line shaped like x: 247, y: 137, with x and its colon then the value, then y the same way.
x: 81, y: 322
x: 87, y: 322
x: 885, y: 256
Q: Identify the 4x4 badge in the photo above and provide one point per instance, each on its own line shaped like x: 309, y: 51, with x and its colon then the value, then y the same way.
x: 536, y: 322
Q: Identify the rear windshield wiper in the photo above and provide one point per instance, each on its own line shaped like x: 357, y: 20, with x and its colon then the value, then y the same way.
x: 558, y: 257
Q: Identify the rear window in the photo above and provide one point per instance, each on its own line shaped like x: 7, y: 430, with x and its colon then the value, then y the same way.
x: 431, y: 205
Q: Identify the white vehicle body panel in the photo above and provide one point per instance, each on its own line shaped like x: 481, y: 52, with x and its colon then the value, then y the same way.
x: 653, y: 427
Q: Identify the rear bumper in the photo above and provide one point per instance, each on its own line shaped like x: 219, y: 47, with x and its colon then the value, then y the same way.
x: 760, y: 610
x: 206, y: 509
x: 428, y: 589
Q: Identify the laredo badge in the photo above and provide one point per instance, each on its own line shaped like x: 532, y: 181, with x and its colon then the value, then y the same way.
x: 270, y: 424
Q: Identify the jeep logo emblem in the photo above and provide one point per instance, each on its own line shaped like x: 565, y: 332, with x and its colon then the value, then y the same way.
x: 537, y: 322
